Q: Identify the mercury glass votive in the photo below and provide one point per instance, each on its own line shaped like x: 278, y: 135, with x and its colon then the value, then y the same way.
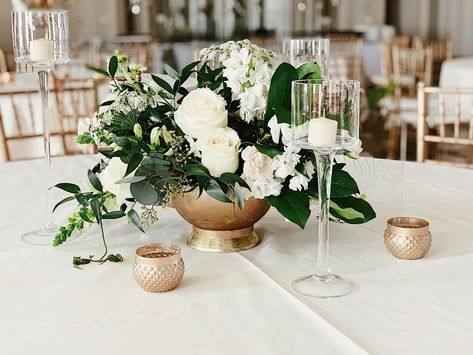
x: 158, y: 267
x: 407, y: 237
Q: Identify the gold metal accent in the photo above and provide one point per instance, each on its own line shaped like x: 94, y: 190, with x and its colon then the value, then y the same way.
x: 407, y: 237
x: 219, y: 226
x: 158, y: 267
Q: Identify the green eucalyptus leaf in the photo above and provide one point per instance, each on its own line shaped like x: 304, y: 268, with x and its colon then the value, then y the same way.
x: 239, y: 196
x: 98, y: 70
x: 131, y: 179
x: 112, y: 66
x: 171, y: 72
x: 230, y: 179
x: 135, y: 219
x: 94, y: 181
x: 64, y: 200
x: 214, y: 190
x: 133, y: 163
x: 113, y: 215
x: 162, y: 83
x: 94, y: 204
x: 144, y: 192
x: 71, y: 188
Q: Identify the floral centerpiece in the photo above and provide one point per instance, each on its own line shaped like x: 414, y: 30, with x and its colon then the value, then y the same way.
x: 228, y: 138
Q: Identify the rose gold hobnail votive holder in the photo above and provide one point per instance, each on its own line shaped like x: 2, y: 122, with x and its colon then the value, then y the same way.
x: 158, y: 267
x: 407, y: 237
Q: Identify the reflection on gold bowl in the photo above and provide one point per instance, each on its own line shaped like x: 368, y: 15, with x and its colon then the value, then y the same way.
x: 220, y: 226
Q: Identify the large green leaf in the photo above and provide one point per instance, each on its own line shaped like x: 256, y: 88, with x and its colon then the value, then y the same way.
x: 270, y: 151
x: 134, y: 162
x: 113, y: 215
x: 343, y: 184
x: 309, y: 70
x: 353, y: 210
x: 280, y: 88
x: 293, y: 205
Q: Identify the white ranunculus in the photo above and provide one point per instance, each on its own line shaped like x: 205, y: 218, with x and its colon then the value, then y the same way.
x: 253, y: 103
x: 114, y: 171
x: 298, y: 182
x: 256, y: 164
x: 284, y: 165
x: 355, y: 150
x: 220, y: 151
x: 262, y: 187
x: 201, y: 112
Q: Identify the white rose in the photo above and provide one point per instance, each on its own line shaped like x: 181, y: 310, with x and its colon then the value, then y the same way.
x: 220, y: 151
x: 201, y: 112
x: 114, y: 171
x: 256, y: 164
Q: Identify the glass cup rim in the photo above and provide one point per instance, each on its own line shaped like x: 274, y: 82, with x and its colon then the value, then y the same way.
x: 307, y: 39
x: 40, y: 11
x: 321, y: 82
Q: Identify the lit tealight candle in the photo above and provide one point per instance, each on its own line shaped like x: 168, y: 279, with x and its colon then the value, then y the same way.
x: 42, y: 50
x: 322, y: 132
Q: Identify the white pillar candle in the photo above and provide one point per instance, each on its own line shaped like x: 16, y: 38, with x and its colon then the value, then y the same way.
x: 322, y: 132
x: 42, y: 50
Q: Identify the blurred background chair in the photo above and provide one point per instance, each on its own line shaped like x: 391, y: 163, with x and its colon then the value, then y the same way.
x: 445, y: 127
x: 21, y: 121
x: 346, y: 57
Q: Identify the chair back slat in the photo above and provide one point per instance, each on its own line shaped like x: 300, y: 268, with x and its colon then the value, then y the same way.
x: 442, y: 114
x: 456, y: 128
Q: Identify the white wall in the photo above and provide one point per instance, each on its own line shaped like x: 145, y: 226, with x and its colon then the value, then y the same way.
x: 5, y: 25
x: 357, y: 12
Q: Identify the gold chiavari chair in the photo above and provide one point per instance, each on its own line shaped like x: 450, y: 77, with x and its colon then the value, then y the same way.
x: 442, y: 50
x: 20, y: 119
x: 450, y: 123
x: 346, y: 57
x: 141, y: 53
x: 3, y: 62
x: 410, y: 67
x: 76, y: 99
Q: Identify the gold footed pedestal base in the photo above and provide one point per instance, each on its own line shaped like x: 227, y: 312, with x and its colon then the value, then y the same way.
x: 223, y: 241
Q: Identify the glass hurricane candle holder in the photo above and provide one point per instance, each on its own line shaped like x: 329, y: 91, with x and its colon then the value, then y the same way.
x: 41, y: 40
x: 302, y: 50
x: 325, y: 120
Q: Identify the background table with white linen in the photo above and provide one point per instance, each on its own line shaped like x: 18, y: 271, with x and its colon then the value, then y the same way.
x: 457, y: 73
x: 242, y: 303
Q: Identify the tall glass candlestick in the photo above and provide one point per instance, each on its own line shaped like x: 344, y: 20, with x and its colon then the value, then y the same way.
x: 41, y: 40
x: 325, y: 120
x: 298, y: 51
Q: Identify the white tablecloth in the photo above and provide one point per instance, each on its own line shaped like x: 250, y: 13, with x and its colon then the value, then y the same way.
x: 457, y: 73
x: 242, y: 303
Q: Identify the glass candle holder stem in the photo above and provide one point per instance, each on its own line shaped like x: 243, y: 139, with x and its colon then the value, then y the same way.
x: 43, y: 76
x: 324, y: 176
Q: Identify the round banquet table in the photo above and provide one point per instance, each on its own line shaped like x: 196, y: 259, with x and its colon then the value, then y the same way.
x: 241, y: 303
x: 457, y: 73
